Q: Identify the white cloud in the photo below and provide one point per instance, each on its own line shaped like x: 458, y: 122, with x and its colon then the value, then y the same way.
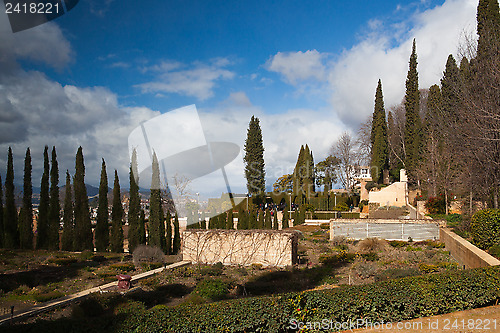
x: 298, y: 66
x: 44, y: 43
x: 196, y: 80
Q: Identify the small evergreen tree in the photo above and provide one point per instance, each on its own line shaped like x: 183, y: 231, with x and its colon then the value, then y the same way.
x: 83, y: 228
x: 379, y: 138
x: 54, y: 208
x: 116, y: 241
x: 42, y: 241
x: 102, y: 223
x: 135, y: 237
x: 26, y: 218
x: 176, y: 244
x: 68, y: 222
x: 156, y: 226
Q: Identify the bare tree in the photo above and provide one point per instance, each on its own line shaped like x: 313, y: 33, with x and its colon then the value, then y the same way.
x: 345, y: 149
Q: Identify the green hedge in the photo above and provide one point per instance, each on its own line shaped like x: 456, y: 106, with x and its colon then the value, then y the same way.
x: 394, y: 300
x: 390, y: 301
x: 485, y: 228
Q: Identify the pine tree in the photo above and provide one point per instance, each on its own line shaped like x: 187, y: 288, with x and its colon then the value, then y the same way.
x: 68, y: 222
x: 156, y: 219
x: 379, y: 138
x: 102, y: 225
x: 42, y: 241
x: 26, y: 218
x: 83, y: 228
x: 254, y: 159
x: 134, y: 229
x: 116, y: 241
x: 412, y: 111
x: 168, y: 229
x: 54, y: 208
x: 176, y: 244
x: 11, y: 228
x: 2, y: 232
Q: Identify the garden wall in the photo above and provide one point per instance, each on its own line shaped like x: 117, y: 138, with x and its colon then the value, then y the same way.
x: 464, y: 252
x: 240, y: 247
x: 384, y: 229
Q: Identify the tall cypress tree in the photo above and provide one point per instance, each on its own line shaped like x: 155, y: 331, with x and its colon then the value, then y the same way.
x: 303, y: 174
x: 42, y: 240
x: 229, y: 220
x: 116, y: 242
x: 11, y: 228
x: 275, y: 220
x: 26, y: 218
x: 267, y: 219
x: 134, y: 230
x: 102, y: 225
x: 156, y: 219
x: 412, y: 111
x: 488, y: 29
x: 83, y: 228
x: 254, y: 159
x: 2, y: 232
x: 142, y: 227
x: 284, y: 221
x: 168, y: 229
x: 176, y: 243
x: 54, y: 208
x: 68, y: 222
x: 379, y: 137
x: 450, y: 91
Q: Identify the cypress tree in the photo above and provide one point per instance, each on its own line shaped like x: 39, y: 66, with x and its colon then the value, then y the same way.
x: 116, y: 241
x: 303, y: 174
x: 2, y: 232
x: 102, y: 223
x: 254, y: 159
x: 379, y: 138
x: 26, y: 218
x: 68, y: 222
x: 267, y: 219
x: 450, y: 91
x: 488, y: 29
x: 54, y: 208
x: 229, y: 220
x: 83, y: 228
x: 168, y: 229
x: 284, y: 221
x: 142, y: 227
x: 261, y: 224
x: 156, y: 219
x: 42, y: 241
x: 275, y: 220
x: 412, y: 111
x: 176, y: 244
x: 135, y: 236
x: 11, y: 228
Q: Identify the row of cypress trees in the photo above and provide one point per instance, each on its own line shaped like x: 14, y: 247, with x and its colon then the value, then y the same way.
x: 16, y: 230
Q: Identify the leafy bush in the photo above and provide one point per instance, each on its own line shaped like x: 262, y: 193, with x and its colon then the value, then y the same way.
x: 397, y: 243
x: 340, y: 258
x: 485, y: 228
x: 212, y: 270
x: 212, y: 289
x: 436, y: 205
x: 341, y: 207
x: 428, y: 268
x: 149, y: 254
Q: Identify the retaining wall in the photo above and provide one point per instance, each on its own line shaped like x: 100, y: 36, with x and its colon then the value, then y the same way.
x: 464, y: 252
x: 240, y: 247
x: 384, y: 229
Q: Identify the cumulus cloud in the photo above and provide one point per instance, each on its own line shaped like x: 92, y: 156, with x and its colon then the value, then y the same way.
x: 298, y: 66
x: 196, y: 80
x: 45, y: 43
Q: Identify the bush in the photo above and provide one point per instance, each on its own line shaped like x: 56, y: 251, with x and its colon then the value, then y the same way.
x: 495, y: 250
x: 436, y: 205
x: 211, y: 289
x: 48, y: 296
x: 397, y: 243
x: 396, y: 273
x: 341, y: 207
x: 485, y: 228
x: 148, y: 254
x: 337, y: 259
x: 372, y: 244
x: 370, y: 256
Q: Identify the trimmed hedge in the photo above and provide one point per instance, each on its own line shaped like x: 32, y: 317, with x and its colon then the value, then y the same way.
x: 390, y: 301
x: 485, y: 228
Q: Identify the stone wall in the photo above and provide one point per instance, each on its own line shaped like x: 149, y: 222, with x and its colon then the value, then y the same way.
x: 464, y: 252
x: 240, y: 247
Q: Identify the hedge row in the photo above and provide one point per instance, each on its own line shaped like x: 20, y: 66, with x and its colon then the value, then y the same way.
x: 485, y: 228
x: 388, y: 301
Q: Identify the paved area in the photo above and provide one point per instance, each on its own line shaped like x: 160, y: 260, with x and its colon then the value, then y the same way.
x: 47, y: 306
x: 390, y: 231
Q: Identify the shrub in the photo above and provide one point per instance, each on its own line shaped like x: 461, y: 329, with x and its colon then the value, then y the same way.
x: 366, y: 269
x: 89, y: 307
x: 372, y: 244
x: 397, y: 243
x: 339, y: 240
x: 211, y: 289
x: 396, y: 273
x: 436, y: 205
x: 48, y: 296
x: 428, y: 268
x: 370, y: 256
x: 340, y: 258
x: 485, y: 228
x: 212, y: 270
x: 324, y: 225
x: 495, y: 250
x: 148, y: 254
x: 341, y: 207
x: 86, y: 255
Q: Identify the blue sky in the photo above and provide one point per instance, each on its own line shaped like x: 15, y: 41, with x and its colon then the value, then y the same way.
x: 307, y: 69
